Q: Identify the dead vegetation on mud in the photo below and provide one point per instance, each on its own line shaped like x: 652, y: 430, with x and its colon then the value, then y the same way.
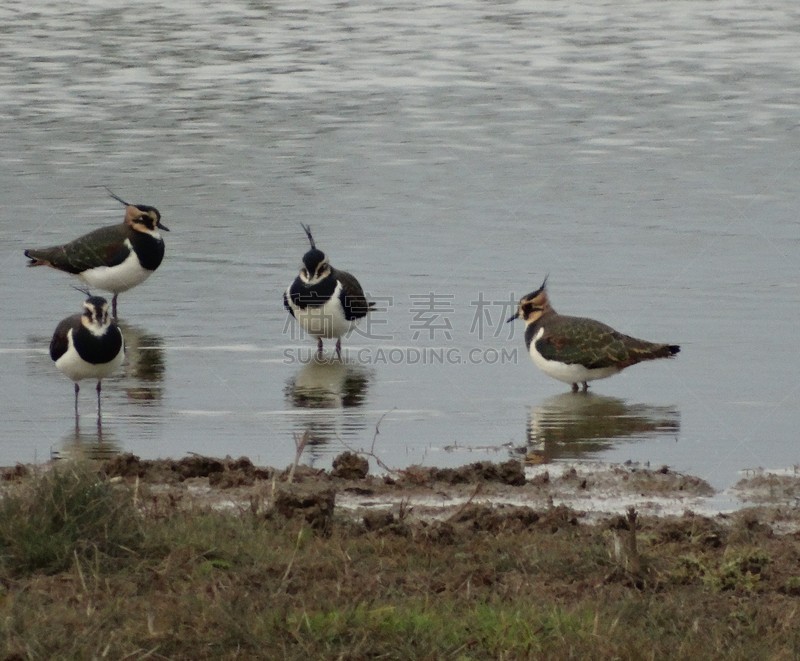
x: 423, y: 492
x: 218, y: 558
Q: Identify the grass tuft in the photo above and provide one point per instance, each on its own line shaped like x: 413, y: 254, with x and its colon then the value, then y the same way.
x: 65, y: 514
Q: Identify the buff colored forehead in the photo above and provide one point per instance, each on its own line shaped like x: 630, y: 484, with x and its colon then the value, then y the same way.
x: 133, y: 214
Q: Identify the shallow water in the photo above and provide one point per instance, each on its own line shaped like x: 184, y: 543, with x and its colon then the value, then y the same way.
x: 450, y: 156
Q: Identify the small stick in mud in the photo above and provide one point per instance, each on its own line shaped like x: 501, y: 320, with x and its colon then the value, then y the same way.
x: 371, y: 452
x: 634, y: 559
x: 300, y: 443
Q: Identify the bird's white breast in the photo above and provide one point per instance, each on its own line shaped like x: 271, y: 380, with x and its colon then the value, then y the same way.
x: 326, y: 320
x: 76, y: 368
x: 119, y: 278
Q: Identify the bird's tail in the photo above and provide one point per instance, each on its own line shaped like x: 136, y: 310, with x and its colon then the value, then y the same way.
x: 37, y: 257
x: 653, y: 351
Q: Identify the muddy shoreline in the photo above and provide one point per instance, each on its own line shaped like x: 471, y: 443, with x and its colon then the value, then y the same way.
x: 592, y: 490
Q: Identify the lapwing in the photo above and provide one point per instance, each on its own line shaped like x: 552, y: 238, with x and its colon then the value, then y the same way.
x: 326, y: 302
x: 88, y: 345
x: 113, y: 258
x: 577, y: 350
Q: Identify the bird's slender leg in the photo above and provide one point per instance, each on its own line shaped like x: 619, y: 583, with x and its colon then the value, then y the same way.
x: 319, y: 347
x: 114, y: 306
x: 99, y: 388
x: 339, y: 348
x: 574, y: 387
x: 77, y: 389
x: 585, y: 386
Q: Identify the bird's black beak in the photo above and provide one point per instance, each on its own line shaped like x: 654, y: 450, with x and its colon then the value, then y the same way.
x: 511, y: 318
x: 163, y: 227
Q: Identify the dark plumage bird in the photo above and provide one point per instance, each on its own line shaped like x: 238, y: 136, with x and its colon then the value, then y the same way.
x: 113, y: 258
x: 88, y: 345
x: 326, y: 302
x: 578, y: 350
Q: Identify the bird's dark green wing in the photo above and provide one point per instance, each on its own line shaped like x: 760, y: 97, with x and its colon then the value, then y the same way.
x: 59, y: 344
x: 354, y: 302
x: 102, y: 247
x: 576, y: 340
x: 286, y: 304
x: 579, y: 341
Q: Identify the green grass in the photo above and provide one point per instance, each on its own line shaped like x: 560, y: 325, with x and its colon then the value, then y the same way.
x: 89, y: 571
x: 64, y: 514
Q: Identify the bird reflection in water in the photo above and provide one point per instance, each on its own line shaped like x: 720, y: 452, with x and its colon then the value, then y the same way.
x: 569, y: 426
x: 328, y: 391
x: 92, y: 442
x: 328, y: 384
x: 144, y: 363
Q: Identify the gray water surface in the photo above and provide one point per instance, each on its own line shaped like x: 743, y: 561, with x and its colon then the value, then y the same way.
x: 450, y: 155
